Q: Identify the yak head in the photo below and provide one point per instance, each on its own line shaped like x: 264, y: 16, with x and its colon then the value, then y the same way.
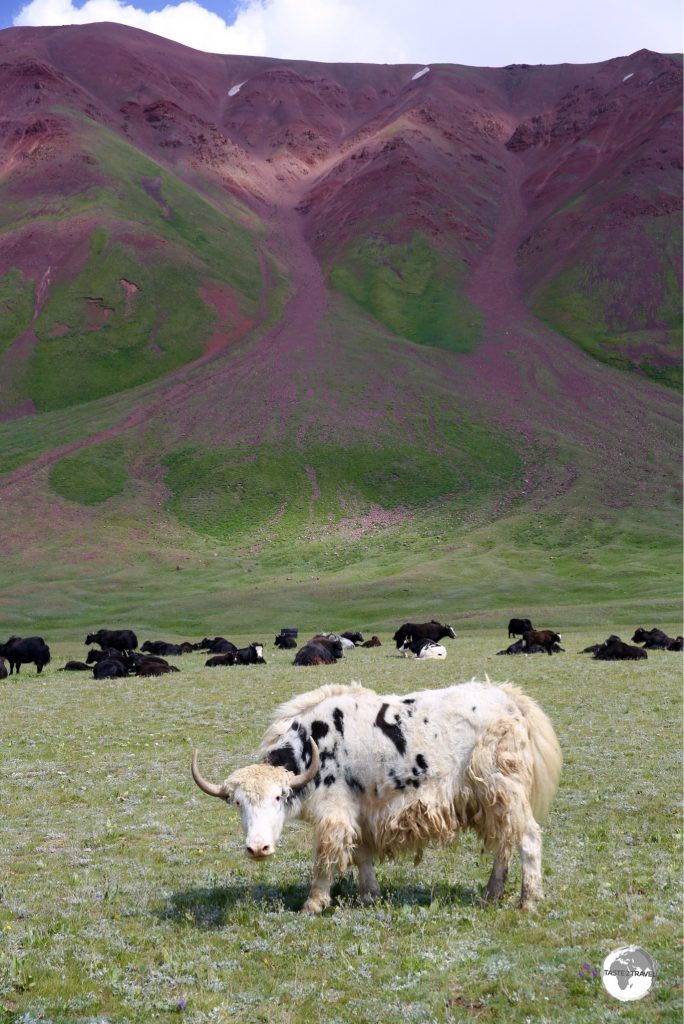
x: 261, y: 793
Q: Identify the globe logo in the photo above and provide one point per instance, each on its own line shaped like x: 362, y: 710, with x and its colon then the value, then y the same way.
x: 628, y: 973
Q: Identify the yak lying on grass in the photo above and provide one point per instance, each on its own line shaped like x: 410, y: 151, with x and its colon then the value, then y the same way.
x: 652, y: 639
x: 424, y: 649
x: 615, y: 649
x: 376, y: 775
x: 320, y: 650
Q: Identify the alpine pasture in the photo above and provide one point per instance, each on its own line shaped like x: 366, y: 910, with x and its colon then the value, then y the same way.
x: 126, y: 894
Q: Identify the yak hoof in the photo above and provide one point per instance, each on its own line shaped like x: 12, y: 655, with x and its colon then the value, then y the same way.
x: 529, y: 901
x: 315, y: 905
x: 369, y: 897
x: 492, y: 894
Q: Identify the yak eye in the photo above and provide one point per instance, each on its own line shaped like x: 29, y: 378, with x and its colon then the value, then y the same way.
x: 238, y: 803
x: 279, y: 798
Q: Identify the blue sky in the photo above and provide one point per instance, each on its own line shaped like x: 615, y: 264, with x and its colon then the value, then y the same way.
x: 489, y: 33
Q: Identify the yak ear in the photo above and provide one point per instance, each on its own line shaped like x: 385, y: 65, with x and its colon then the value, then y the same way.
x: 228, y: 790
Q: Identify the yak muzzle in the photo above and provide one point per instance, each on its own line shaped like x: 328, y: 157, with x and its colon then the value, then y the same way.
x: 260, y: 851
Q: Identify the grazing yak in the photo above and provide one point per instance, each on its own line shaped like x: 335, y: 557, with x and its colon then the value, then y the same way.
x: 615, y: 649
x: 518, y: 627
x: 115, y: 639
x: 24, y: 650
x: 426, y: 649
x: 378, y: 775
x: 652, y: 639
x: 545, y: 638
x: 433, y: 630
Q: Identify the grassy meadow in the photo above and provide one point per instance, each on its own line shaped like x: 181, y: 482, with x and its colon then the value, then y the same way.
x: 125, y: 894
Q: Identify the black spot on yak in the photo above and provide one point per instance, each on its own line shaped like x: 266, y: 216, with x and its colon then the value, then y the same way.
x: 396, y: 781
x: 328, y: 780
x: 421, y: 764
x: 319, y: 730
x: 338, y: 719
x: 354, y: 783
x: 392, y: 730
x: 329, y: 755
x: 409, y: 700
x: 283, y: 757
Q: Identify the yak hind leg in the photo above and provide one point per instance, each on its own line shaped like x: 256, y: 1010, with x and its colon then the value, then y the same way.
x: 335, y: 839
x: 530, y: 847
x: 369, y: 890
x: 530, y: 857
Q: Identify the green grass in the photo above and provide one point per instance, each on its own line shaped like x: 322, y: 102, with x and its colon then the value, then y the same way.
x: 412, y: 290
x: 226, y: 493
x: 16, y: 306
x: 92, y: 475
x: 124, y: 890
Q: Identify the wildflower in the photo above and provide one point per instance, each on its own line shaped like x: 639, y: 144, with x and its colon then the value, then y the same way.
x: 181, y: 1005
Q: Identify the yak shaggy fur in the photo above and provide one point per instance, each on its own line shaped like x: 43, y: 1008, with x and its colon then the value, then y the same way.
x: 398, y: 772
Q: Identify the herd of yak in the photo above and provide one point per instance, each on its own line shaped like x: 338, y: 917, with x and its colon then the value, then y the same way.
x: 116, y: 653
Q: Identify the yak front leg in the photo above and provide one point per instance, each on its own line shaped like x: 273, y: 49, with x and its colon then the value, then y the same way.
x: 497, y: 879
x: 335, y: 838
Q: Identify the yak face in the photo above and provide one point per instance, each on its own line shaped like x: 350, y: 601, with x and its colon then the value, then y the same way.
x: 260, y: 793
x: 450, y: 632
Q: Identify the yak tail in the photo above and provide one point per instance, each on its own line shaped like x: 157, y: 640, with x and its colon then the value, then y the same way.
x: 547, y: 757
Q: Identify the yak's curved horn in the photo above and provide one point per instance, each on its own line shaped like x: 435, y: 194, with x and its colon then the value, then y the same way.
x: 299, y: 781
x: 206, y: 787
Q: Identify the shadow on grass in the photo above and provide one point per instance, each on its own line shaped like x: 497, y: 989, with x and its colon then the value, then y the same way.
x: 215, y: 907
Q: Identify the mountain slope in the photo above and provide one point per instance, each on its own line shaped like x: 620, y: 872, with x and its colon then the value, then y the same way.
x: 314, y: 330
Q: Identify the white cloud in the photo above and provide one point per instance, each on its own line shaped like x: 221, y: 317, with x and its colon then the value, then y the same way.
x: 492, y: 33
